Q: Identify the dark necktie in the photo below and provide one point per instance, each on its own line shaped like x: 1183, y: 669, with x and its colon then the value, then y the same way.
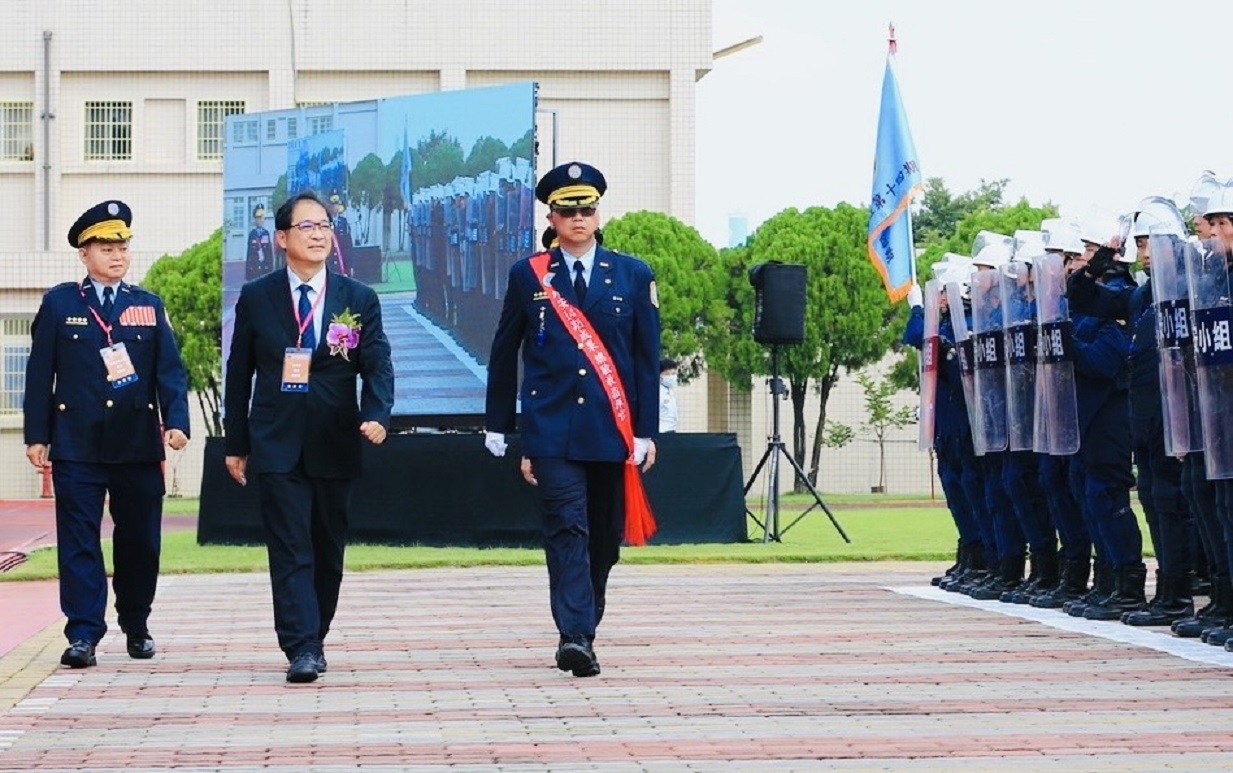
x: 108, y: 303
x: 580, y: 282
x: 309, y: 339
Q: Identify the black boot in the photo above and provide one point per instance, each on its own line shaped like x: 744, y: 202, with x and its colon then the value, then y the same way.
x: 1044, y: 578
x: 1219, y: 612
x: 963, y: 570
x: 1102, y: 588
x: 977, y: 571
x: 955, y: 567
x: 1172, y: 602
x: 1129, y: 595
x: 1010, y: 574
x: 1071, y: 586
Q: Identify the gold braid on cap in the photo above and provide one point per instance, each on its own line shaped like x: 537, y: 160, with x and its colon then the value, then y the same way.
x: 574, y: 196
x: 108, y: 230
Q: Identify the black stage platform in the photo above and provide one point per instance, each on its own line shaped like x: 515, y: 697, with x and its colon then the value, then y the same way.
x: 446, y: 489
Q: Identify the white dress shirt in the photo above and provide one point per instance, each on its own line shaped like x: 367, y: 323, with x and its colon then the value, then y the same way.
x: 588, y: 264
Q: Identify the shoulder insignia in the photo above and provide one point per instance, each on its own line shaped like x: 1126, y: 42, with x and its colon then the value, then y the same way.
x: 654, y: 294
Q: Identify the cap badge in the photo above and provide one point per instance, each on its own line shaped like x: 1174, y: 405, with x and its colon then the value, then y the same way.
x: 574, y: 171
x: 113, y: 208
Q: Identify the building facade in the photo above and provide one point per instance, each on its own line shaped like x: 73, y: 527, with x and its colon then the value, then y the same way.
x: 134, y: 107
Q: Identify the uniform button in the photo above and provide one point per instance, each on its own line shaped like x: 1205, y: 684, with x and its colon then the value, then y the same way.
x: 139, y: 334
x: 618, y: 309
x: 62, y: 406
x: 579, y: 347
x: 582, y: 371
x: 581, y: 400
x: 150, y: 406
x: 74, y: 336
x: 534, y: 392
x: 110, y: 403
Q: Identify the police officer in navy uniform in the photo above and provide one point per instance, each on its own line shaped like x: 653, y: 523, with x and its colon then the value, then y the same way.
x: 105, y: 390
x: 260, y: 259
x: 343, y: 243
x: 575, y: 451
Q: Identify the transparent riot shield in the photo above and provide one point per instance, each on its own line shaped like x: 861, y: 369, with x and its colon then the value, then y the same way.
x: 1019, y: 324
x: 964, y: 348
x: 930, y: 351
x: 990, y: 349
x: 1179, y: 385
x: 1057, y: 409
x: 1207, y: 276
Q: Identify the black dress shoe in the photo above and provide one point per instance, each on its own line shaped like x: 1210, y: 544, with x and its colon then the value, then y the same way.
x: 140, y: 646
x: 577, y: 656
x: 321, y: 664
x: 80, y: 654
x: 303, y: 669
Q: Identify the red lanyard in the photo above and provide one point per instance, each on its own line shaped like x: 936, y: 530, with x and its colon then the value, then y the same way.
x: 106, y: 328
x: 304, y: 323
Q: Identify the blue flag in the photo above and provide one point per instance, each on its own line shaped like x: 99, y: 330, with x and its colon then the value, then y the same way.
x: 896, y: 178
x: 404, y: 179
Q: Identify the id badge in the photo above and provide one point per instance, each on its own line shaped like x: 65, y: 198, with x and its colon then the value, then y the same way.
x: 296, y: 363
x: 120, y: 372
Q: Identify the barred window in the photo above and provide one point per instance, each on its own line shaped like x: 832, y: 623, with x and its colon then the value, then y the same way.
x: 16, y: 131
x: 109, y: 131
x: 318, y: 124
x: 210, y: 118
x: 14, y: 352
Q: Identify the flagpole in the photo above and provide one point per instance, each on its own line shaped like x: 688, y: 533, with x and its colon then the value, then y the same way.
x: 892, y: 48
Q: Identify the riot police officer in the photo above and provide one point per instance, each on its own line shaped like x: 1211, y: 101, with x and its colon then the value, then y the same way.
x: 1101, y: 472
x: 951, y: 439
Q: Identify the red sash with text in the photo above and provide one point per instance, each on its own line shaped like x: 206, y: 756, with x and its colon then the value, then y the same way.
x: 639, y: 522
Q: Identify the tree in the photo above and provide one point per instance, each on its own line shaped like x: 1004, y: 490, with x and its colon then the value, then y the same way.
x: 683, y: 263
x: 849, y: 321
x: 524, y: 146
x: 279, y: 196
x: 941, y: 212
x: 484, y: 155
x: 1005, y: 220
x: 367, y: 189
x: 392, y: 200
x: 883, y: 416
x: 191, y: 286
x: 436, y: 159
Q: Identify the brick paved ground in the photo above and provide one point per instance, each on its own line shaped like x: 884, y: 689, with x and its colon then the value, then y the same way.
x: 706, y: 668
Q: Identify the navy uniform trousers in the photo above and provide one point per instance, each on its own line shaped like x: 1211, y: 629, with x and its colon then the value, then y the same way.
x: 136, y: 510
x: 584, y: 524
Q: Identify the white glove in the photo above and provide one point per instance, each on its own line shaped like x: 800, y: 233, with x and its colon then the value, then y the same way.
x: 495, y: 443
x: 641, y: 446
x: 915, y: 296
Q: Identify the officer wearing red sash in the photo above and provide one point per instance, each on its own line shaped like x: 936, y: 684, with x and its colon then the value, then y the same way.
x: 586, y: 320
x: 105, y: 390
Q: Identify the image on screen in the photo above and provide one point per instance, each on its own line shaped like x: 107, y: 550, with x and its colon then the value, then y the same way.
x: 432, y: 200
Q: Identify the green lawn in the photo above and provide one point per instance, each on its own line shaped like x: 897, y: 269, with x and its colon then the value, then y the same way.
x: 881, y: 529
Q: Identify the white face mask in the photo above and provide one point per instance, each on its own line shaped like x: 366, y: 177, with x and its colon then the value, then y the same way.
x: 668, y: 381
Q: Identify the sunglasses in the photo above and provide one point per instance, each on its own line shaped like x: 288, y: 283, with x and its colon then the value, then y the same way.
x: 569, y: 212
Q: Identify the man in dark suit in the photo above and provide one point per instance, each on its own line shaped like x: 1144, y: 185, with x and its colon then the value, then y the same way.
x: 105, y: 389
x: 306, y: 333
x: 586, y: 320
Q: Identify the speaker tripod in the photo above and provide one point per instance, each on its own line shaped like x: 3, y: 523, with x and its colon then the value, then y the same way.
x: 770, y: 459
